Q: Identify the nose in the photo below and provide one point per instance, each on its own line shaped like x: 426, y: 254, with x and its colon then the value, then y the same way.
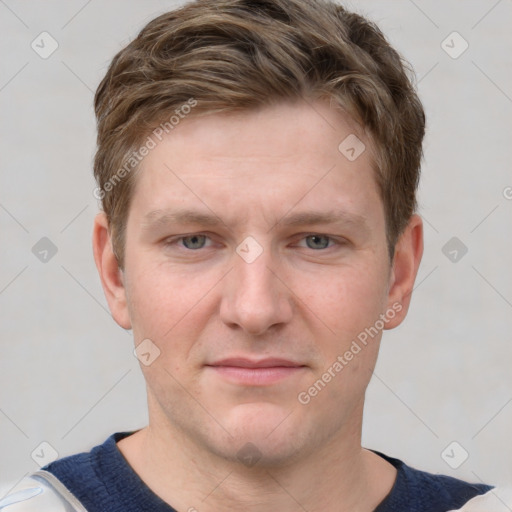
x: 255, y: 298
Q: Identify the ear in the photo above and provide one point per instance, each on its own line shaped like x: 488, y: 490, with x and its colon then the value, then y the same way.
x: 110, y: 274
x: 408, y: 253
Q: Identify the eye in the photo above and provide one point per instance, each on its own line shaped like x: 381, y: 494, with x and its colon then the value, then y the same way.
x: 194, y: 242
x: 318, y: 241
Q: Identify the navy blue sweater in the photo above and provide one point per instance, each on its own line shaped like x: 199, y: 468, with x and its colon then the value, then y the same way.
x: 104, y: 482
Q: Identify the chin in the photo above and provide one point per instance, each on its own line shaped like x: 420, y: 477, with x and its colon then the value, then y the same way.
x: 273, y: 434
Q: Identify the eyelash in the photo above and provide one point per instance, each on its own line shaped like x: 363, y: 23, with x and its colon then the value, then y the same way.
x: 332, y: 241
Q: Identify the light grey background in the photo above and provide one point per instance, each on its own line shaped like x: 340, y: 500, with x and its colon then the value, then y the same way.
x: 68, y: 374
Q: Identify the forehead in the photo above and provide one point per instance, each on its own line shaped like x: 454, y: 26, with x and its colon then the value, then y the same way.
x: 273, y: 157
x: 277, y: 130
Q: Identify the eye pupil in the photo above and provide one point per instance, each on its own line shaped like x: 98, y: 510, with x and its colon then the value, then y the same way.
x: 194, y: 241
x: 317, y: 242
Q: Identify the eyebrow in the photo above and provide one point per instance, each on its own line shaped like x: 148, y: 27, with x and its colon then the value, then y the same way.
x: 329, y: 217
x: 157, y: 218
x: 164, y: 217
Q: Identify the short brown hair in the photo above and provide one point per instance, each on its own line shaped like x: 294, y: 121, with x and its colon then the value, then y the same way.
x: 229, y: 55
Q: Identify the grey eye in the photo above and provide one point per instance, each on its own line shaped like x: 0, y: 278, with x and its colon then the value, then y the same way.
x: 194, y: 241
x: 317, y: 241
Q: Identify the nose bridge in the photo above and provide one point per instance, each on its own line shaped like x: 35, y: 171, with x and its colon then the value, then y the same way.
x: 256, y: 300
x: 254, y: 278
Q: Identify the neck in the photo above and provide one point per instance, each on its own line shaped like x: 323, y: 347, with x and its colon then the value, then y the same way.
x: 339, y: 476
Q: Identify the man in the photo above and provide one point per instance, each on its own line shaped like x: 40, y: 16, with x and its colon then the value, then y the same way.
x: 257, y: 164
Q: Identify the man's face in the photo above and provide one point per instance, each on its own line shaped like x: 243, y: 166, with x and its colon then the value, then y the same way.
x: 255, y: 256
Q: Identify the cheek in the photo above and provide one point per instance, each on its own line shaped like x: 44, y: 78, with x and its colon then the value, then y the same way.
x: 347, y: 300
x: 166, y: 304
x: 349, y: 303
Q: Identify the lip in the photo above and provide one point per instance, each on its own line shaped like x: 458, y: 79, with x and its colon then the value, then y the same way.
x: 242, y: 362
x: 251, y: 372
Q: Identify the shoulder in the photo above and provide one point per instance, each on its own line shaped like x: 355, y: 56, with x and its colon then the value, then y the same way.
x: 421, y: 491
x: 84, y: 473
x: 41, y: 492
x: 74, y: 483
x: 103, y: 480
x: 98, y: 480
x: 498, y: 499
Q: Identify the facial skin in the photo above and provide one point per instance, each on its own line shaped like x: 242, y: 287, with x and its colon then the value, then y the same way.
x: 315, y: 286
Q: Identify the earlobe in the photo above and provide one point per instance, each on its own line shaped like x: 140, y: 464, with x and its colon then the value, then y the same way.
x: 408, y: 253
x: 110, y: 274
